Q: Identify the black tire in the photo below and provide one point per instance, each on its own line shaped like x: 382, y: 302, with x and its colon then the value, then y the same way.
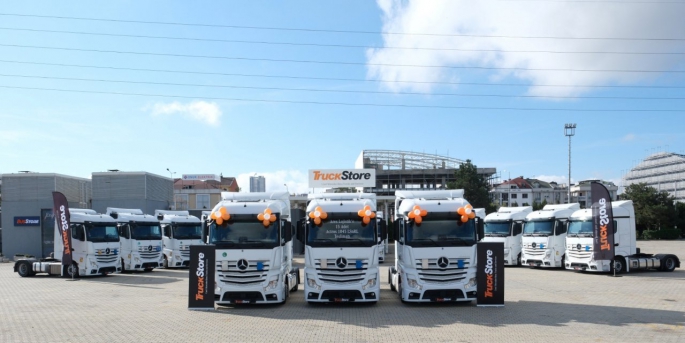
x: 563, y: 261
x: 147, y: 270
x: 72, y: 270
x: 24, y: 269
x: 123, y: 266
x: 165, y: 263
x: 669, y: 264
x: 399, y: 289
x: 618, y: 265
x: 297, y: 287
x: 392, y: 287
x: 287, y: 293
x: 518, y: 260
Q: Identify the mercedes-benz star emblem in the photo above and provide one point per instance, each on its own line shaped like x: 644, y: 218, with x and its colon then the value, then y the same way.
x: 443, y: 262
x: 149, y: 248
x: 242, y: 264
x: 341, y: 262
x: 107, y: 251
x: 578, y: 246
x: 533, y: 245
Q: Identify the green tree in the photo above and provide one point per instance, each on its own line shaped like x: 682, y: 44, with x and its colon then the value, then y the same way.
x: 476, y: 187
x: 653, y: 209
x: 344, y: 190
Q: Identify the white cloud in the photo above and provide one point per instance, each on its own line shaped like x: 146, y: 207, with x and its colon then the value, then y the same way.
x: 296, y: 180
x: 206, y: 112
x: 516, y: 18
x: 629, y: 137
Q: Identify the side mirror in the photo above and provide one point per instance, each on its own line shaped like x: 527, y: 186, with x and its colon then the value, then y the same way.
x: 288, y: 231
x: 299, y: 233
x: 396, y: 229
x: 383, y: 229
x: 481, y: 228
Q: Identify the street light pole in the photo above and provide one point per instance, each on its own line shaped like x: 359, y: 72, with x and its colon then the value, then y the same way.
x: 286, y: 187
x: 569, y: 131
x: 171, y: 176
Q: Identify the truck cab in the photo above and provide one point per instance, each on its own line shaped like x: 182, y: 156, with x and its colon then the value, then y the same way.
x: 180, y: 230
x: 506, y: 226
x: 341, y: 237
x: 544, y: 236
x: 140, y: 237
x: 435, y: 249
x: 95, y: 248
x: 252, y: 234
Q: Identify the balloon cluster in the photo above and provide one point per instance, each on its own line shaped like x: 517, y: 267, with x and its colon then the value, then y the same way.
x: 466, y: 213
x: 366, y: 214
x: 317, y: 215
x: 220, y: 216
x: 267, y: 217
x: 417, y: 213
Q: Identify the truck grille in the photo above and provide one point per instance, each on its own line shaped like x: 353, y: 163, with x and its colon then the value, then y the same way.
x: 102, y: 255
x: 354, y: 270
x: 429, y: 271
x: 152, y: 252
x: 254, y: 271
x: 185, y: 251
x: 534, y: 252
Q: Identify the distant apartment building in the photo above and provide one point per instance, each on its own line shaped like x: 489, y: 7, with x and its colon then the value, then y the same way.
x: 581, y: 193
x: 522, y: 191
x: 257, y: 184
x: 201, y: 195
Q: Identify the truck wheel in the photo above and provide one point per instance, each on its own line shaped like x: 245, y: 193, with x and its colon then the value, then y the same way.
x: 72, y: 270
x: 619, y: 264
x: 165, y: 264
x: 24, y: 269
x: 399, y: 289
x: 297, y: 287
x: 518, y: 260
x: 563, y: 261
x: 147, y: 270
x: 392, y: 287
x: 123, y: 266
x: 669, y: 264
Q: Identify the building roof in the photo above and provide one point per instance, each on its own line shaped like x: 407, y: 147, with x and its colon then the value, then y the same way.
x: 228, y: 184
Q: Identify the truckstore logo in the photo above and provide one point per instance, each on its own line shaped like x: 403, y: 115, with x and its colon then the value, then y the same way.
x: 443, y: 262
x: 341, y: 262
x: 345, y: 175
x: 27, y: 221
x: 242, y: 264
x: 603, y: 222
x: 489, y: 277
x: 64, y: 227
x: 200, y: 273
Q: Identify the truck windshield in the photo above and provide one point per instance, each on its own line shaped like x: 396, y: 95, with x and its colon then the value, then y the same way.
x: 187, y: 231
x: 342, y: 230
x: 497, y: 229
x: 538, y: 228
x: 145, y: 231
x: 245, y: 232
x: 579, y: 228
x: 102, y: 233
x: 441, y: 232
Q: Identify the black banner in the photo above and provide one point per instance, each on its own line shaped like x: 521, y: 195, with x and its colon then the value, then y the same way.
x: 490, y: 274
x: 201, y: 279
x: 60, y: 208
x: 602, y: 222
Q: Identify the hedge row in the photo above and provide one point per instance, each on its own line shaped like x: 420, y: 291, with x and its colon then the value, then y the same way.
x: 661, y: 234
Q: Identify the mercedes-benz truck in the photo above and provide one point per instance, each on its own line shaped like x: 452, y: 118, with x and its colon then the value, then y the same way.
x: 506, y: 226
x: 180, y: 230
x: 254, y: 250
x: 580, y: 244
x: 141, y: 239
x: 436, y: 233
x: 341, y: 237
x: 544, y: 236
x: 95, y: 248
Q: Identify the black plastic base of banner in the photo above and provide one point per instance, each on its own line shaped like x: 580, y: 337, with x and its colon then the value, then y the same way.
x: 489, y: 305
x: 610, y: 275
x: 202, y: 309
x: 73, y: 279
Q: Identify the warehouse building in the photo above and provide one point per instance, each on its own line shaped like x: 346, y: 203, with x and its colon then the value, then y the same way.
x: 141, y: 190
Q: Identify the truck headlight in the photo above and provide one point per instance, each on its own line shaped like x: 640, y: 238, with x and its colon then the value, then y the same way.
x: 371, y: 282
x: 413, y: 284
x: 137, y: 260
x: 311, y: 282
x: 472, y: 283
x: 273, y: 283
x: 548, y: 253
x: 93, y: 264
x: 177, y: 257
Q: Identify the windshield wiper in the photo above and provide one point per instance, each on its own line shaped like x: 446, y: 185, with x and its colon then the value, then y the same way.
x: 457, y: 239
x: 256, y: 243
x: 350, y: 239
x: 326, y: 240
x: 221, y: 244
x: 425, y: 239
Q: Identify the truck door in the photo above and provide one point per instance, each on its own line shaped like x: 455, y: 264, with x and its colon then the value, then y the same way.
x: 78, y: 241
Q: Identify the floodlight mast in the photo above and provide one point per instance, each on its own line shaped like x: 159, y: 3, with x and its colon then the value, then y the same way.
x: 569, y: 131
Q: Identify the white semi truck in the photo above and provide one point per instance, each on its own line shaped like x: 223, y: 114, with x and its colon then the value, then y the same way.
x: 579, y: 244
x: 436, y: 233
x: 141, y: 239
x: 180, y: 230
x: 506, y: 226
x: 544, y: 236
x: 95, y: 248
x: 254, y: 250
x: 341, y: 238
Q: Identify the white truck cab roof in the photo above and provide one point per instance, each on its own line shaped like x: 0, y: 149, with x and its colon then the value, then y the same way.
x: 509, y: 213
x: 168, y: 217
x: 254, y: 203
x: 82, y: 215
x: 341, y: 202
x: 126, y: 215
x: 554, y: 211
x: 431, y: 201
x: 623, y: 208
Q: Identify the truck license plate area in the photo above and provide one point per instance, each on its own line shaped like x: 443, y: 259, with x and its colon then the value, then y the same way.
x: 340, y: 300
x: 443, y: 299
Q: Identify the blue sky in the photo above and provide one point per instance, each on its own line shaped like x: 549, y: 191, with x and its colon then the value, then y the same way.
x: 514, y: 128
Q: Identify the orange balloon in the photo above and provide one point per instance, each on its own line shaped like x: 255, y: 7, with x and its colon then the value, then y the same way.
x: 472, y: 215
x: 266, y: 222
x: 461, y: 211
x: 464, y: 219
x: 260, y: 216
x: 219, y: 221
x: 366, y: 220
x: 324, y: 215
x: 418, y: 220
x: 317, y: 221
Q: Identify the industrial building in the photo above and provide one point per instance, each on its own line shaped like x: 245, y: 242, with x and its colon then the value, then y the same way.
x: 665, y: 171
x: 142, y: 190
x: 28, y: 223
x: 257, y: 184
x: 405, y: 170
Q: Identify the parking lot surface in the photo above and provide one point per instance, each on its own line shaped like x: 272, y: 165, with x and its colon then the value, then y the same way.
x: 541, y: 305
